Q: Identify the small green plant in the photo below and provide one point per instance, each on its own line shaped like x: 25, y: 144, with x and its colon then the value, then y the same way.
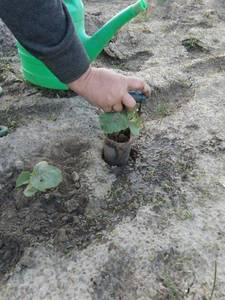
x: 115, y: 122
x: 194, y: 44
x: 42, y: 178
x: 173, y: 291
x: 162, y: 110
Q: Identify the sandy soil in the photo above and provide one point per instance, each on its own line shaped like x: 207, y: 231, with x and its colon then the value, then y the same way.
x: 152, y: 230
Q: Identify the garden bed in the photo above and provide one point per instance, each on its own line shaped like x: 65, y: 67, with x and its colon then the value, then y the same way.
x: 154, y: 229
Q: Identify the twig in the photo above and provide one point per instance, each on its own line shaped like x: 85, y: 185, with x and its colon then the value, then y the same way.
x: 214, y: 281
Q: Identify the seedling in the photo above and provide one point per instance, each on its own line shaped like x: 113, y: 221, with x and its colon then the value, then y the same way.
x: 42, y: 178
x: 119, y: 127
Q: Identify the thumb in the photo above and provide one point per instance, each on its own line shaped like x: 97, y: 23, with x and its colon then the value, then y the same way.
x: 138, y: 84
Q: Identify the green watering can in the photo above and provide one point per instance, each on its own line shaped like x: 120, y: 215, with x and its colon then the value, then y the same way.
x: 37, y: 73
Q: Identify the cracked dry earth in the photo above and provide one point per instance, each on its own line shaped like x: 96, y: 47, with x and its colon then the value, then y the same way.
x: 154, y: 229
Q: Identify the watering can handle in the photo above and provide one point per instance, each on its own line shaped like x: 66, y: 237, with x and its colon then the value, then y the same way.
x: 138, y: 96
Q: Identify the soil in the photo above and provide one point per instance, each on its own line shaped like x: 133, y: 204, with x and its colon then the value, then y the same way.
x: 151, y: 230
x: 120, y: 137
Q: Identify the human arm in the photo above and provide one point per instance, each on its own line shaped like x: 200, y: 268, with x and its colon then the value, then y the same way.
x: 45, y: 29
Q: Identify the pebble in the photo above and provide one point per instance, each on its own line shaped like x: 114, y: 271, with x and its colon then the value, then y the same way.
x: 76, y: 220
x: 61, y: 236
x: 67, y: 219
x: 76, y: 176
x: 71, y: 205
x: 1, y: 91
x: 19, y: 165
x: 76, y: 179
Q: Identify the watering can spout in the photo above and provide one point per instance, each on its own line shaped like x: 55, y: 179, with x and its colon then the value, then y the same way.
x: 95, y: 44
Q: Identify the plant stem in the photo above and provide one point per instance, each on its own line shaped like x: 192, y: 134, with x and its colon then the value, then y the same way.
x: 214, y: 281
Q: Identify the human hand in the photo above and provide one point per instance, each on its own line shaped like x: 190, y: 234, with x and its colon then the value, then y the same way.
x: 107, y: 89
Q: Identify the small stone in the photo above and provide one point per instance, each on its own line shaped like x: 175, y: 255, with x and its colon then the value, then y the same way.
x: 26, y: 262
x: 75, y: 176
x: 47, y: 196
x: 76, y: 220
x: 77, y: 185
x: 76, y: 179
x: 1, y: 91
x: 67, y: 219
x: 9, y: 175
x: 61, y: 236
x: 19, y: 165
x: 71, y: 205
x: 222, y: 181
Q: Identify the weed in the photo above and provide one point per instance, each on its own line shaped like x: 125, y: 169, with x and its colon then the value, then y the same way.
x: 162, y: 110
x: 194, y: 44
x: 173, y: 292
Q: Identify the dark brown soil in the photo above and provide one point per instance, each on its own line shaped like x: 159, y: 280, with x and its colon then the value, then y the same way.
x: 121, y: 137
x: 59, y: 215
x: 11, y: 251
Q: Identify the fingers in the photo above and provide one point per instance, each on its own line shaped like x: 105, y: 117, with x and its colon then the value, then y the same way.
x: 146, y: 90
x: 138, y: 84
x: 129, y: 101
x: 107, y: 109
x: 117, y: 107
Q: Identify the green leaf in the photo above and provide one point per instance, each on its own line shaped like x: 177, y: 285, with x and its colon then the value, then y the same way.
x: 134, y: 122
x: 134, y: 129
x: 45, y: 176
x: 23, y: 178
x: 30, y: 191
x: 113, y: 122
